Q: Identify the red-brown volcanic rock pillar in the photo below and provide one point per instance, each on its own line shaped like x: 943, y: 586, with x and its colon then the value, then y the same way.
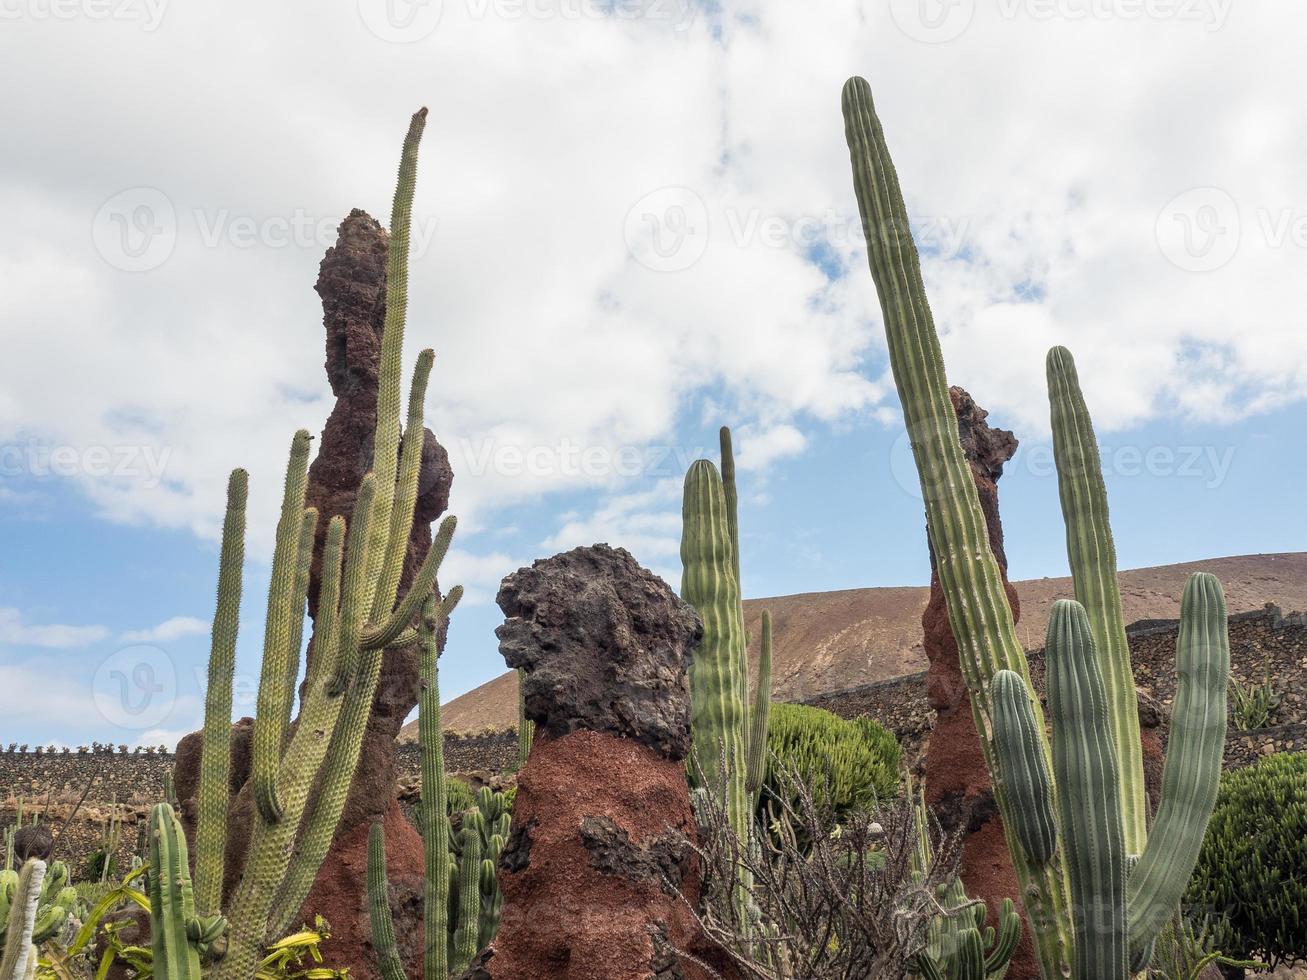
x: 599, y: 876
x: 957, y: 780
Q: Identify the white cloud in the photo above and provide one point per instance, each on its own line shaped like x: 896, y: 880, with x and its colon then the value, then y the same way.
x: 1037, y: 186
x: 479, y: 575
x: 170, y: 629
x: 14, y: 630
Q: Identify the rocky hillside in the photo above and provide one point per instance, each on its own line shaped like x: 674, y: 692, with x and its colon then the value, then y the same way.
x: 831, y: 641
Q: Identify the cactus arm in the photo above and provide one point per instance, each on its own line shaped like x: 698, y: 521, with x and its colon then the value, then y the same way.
x: 215, y: 760
x: 172, y: 904
x: 383, y: 925
x: 1092, y: 556
x: 1192, y: 770
x: 423, y: 583
x: 304, y: 563
x: 1022, y: 768
x: 973, y: 585
x: 274, y: 693
x: 708, y: 583
x: 1084, y: 764
x: 759, y: 716
x: 432, y: 812
x: 1005, y: 943
x: 22, y: 921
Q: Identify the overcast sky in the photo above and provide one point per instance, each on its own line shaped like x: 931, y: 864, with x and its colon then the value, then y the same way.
x: 634, y: 222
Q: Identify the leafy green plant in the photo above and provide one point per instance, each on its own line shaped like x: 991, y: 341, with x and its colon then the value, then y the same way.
x: 1185, y: 949
x: 1253, y: 705
x: 845, y: 765
x: 1252, y: 870
x: 1087, y: 921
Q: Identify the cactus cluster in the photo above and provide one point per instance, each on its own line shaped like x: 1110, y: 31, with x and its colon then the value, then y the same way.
x: 358, y: 617
x: 462, y: 901
x: 1073, y: 811
x: 959, y: 946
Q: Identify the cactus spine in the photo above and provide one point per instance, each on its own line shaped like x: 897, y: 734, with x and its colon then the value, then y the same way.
x: 173, y: 923
x: 1092, y: 556
x: 987, y: 642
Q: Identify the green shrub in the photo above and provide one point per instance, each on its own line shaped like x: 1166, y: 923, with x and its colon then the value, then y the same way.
x: 458, y: 796
x: 845, y: 765
x: 1252, y: 870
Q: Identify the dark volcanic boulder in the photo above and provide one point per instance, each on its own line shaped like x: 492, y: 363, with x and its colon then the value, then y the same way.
x: 605, y: 645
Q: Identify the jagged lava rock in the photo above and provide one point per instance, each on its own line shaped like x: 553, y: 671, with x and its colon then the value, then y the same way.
x: 605, y: 645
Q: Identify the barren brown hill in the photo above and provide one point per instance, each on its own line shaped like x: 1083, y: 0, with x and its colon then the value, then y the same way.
x: 831, y: 641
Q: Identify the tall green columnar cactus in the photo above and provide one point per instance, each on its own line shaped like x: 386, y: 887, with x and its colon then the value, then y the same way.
x: 174, y: 928
x: 1092, y: 555
x: 383, y: 924
x: 972, y: 580
x: 433, y: 812
x: 1085, y: 767
x: 760, y: 717
x: 469, y: 892
x: 717, y: 711
x: 215, y: 763
x: 18, y: 949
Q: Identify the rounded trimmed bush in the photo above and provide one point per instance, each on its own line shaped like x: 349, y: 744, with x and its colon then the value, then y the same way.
x: 1253, y: 865
x: 845, y: 764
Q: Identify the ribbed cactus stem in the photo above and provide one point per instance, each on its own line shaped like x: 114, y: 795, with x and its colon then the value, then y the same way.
x: 1192, y: 770
x: 215, y: 760
x: 1022, y: 767
x: 1085, y: 767
x: 759, y: 716
x: 383, y: 925
x: 978, y: 610
x: 172, y: 905
x: 1092, y: 555
x: 469, y: 895
x: 708, y: 583
x: 274, y: 692
x: 22, y: 921
x: 433, y: 812
x: 385, y: 458
x: 304, y: 564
